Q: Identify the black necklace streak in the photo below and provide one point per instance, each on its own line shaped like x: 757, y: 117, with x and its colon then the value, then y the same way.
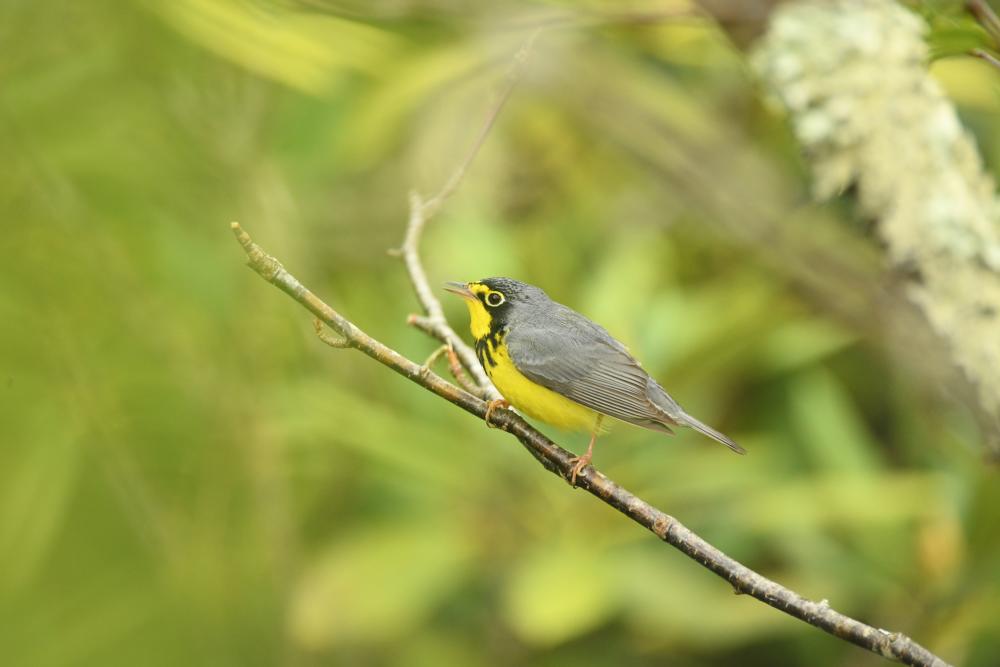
x: 487, y: 346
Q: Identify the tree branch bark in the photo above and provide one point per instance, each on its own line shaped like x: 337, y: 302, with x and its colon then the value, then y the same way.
x: 557, y: 460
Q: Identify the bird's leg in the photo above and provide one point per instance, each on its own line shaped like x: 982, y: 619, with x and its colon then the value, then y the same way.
x: 581, y: 462
x: 493, y: 405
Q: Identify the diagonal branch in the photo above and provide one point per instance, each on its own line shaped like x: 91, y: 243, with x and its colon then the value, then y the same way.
x: 557, y: 460
x: 982, y: 54
x: 986, y: 17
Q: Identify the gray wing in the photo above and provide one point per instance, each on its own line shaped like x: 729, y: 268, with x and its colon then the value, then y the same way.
x: 575, y: 357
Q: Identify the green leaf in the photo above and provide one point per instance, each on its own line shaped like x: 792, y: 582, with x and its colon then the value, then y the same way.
x: 671, y: 600
x: 559, y: 591
x: 801, y: 343
x: 830, y: 429
x: 35, y: 497
x: 841, y: 499
x: 377, y: 585
x: 308, y: 52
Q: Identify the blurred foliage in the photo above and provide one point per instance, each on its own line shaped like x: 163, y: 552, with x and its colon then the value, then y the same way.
x: 188, y: 477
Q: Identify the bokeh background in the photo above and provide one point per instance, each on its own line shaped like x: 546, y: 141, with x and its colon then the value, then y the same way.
x: 187, y: 476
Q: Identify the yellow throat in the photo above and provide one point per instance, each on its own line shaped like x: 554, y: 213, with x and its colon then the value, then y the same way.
x: 524, y: 394
x: 480, y: 318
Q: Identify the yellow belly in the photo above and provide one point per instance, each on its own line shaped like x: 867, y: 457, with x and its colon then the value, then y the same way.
x: 535, y: 400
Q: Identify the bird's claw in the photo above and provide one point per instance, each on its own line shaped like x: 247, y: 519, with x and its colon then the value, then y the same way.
x: 579, y: 463
x: 495, y: 404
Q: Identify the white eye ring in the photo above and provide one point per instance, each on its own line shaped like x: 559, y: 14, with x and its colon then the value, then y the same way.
x: 494, y: 299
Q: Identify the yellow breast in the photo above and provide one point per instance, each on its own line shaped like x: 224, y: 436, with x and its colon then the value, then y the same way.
x: 527, y: 396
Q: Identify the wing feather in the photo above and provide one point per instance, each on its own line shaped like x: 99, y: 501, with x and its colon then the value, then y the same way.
x: 577, y: 358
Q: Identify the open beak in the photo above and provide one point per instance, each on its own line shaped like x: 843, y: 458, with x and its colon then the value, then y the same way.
x: 461, y: 289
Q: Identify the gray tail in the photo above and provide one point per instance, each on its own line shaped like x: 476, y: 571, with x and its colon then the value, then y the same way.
x: 687, y: 420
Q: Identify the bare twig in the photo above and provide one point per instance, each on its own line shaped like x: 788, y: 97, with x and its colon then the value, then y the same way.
x: 987, y: 56
x: 432, y: 205
x: 456, y: 370
x: 986, y: 17
x: 472, y: 19
x: 324, y: 335
x: 421, y: 211
x: 434, y: 356
x: 557, y: 460
x: 454, y: 363
x: 434, y: 323
x: 587, y: 19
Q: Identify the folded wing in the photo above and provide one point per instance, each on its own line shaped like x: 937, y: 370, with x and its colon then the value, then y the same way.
x: 573, y: 356
x: 577, y: 358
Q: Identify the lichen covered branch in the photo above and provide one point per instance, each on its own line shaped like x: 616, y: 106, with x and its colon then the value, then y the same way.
x: 868, y: 114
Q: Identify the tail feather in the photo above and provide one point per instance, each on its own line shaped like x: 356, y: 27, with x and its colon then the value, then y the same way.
x: 687, y: 420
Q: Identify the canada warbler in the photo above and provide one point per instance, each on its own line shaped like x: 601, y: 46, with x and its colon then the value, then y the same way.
x: 554, y: 364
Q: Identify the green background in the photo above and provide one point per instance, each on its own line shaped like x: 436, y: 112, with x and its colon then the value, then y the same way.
x: 187, y: 476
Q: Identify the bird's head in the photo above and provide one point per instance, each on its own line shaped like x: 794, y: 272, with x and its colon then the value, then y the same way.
x: 494, y: 302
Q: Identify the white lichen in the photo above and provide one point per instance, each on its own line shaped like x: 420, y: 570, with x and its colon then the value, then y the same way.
x: 853, y: 77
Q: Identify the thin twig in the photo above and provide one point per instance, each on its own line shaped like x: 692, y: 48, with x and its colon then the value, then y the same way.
x: 421, y: 211
x: 547, y: 20
x: 561, y: 20
x: 454, y: 365
x: 986, y: 17
x: 434, y: 323
x: 432, y: 205
x: 456, y: 370
x: 445, y: 334
x: 557, y: 460
x: 987, y: 56
x: 324, y: 335
x: 434, y: 356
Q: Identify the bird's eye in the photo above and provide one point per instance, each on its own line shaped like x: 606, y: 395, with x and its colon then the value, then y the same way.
x: 494, y: 299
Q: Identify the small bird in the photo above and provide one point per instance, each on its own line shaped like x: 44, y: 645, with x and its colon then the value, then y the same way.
x: 554, y: 364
